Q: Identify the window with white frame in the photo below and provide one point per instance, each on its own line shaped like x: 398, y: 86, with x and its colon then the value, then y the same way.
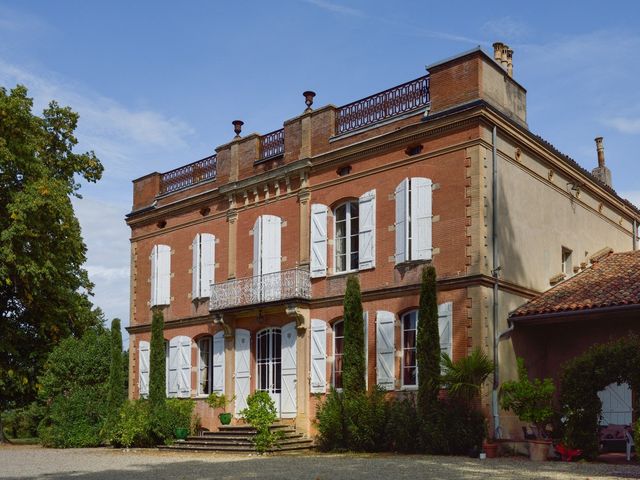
x: 346, y: 236
x: 204, y: 366
x: 160, y: 275
x: 203, y: 268
x: 409, y: 322
x: 413, y: 220
x: 567, y: 264
x: 338, y: 353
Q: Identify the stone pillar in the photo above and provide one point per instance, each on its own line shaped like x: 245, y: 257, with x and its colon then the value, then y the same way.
x: 232, y: 219
x: 304, y: 196
x: 303, y: 372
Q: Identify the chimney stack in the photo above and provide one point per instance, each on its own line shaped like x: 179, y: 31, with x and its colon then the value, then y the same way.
x: 503, y: 55
x: 601, y: 172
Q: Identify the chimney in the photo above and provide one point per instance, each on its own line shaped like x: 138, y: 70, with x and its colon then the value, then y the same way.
x: 601, y: 172
x: 503, y: 55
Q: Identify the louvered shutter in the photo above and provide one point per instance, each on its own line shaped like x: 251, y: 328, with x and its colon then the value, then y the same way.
x: 164, y: 275
x: 195, y: 267
x: 318, y: 240
x: 402, y: 237
x: 367, y: 230
x: 385, y: 350
x: 173, y: 380
x: 318, y: 356
x: 241, y: 372
x: 184, y: 388
x: 271, y: 257
x: 207, y: 263
x: 154, y: 275
x: 218, y: 363
x: 257, y: 260
x: 445, y: 317
x: 421, y: 219
x: 143, y: 372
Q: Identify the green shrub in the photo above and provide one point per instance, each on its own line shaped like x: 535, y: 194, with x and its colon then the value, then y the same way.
x: 260, y: 414
x: 354, y: 368
x: 456, y: 429
x: 137, y: 427
x: 366, y: 421
x: 636, y: 433
x: 157, y: 362
x: 331, y: 421
x: 133, y: 428
x: 74, y: 420
x: 403, y: 431
x: 115, y: 396
x: 23, y: 422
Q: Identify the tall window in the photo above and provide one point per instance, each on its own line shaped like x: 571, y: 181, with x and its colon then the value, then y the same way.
x: 409, y: 358
x: 347, y: 237
x: 413, y: 220
x: 204, y: 362
x: 567, y: 264
x: 338, y: 353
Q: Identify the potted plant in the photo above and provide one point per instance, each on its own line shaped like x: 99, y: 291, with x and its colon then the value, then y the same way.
x: 219, y: 400
x: 531, y: 401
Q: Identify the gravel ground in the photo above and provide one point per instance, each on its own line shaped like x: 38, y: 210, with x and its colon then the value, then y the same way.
x: 92, y: 464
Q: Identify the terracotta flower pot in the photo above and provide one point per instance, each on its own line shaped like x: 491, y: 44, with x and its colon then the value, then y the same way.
x: 491, y: 449
x: 539, y: 450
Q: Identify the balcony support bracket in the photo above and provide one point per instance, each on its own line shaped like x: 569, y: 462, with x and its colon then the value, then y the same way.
x: 218, y: 319
x: 293, y: 310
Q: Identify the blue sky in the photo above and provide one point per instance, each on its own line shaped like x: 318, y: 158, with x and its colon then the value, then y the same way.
x: 157, y: 84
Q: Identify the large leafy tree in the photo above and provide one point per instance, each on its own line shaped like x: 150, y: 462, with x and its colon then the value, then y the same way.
x: 43, y: 287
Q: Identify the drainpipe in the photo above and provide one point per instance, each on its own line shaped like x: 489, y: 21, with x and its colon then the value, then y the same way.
x: 494, y: 273
x: 635, y: 234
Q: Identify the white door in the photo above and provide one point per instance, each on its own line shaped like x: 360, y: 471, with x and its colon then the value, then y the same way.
x: 242, y: 372
x: 289, y: 378
x: 616, y: 404
x: 269, y: 364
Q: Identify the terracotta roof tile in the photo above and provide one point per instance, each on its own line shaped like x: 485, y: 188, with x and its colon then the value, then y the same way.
x: 612, y: 281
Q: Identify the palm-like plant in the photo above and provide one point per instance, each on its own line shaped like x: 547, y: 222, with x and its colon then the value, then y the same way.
x: 464, y: 377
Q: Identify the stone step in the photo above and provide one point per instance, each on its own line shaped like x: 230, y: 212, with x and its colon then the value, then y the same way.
x: 249, y: 428
x: 233, y: 448
x: 225, y: 436
x: 296, y: 441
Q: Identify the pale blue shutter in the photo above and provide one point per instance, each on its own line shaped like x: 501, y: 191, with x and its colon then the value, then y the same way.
x: 218, y: 363
x: 164, y: 275
x: 195, y: 267
x: 445, y: 326
x: 318, y: 356
x: 288, y: 399
x: 242, y: 371
x: 184, y: 389
x: 385, y: 350
x: 173, y: 379
x: 401, y: 227
x: 207, y: 263
x: 143, y: 372
x: 367, y: 230
x: 318, y: 240
x: 154, y: 275
x: 421, y: 245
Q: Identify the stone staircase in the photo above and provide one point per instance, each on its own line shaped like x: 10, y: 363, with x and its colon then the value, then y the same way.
x: 239, y: 438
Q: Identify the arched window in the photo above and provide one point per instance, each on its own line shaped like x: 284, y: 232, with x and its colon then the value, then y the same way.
x: 204, y: 364
x: 346, y: 236
x: 338, y: 353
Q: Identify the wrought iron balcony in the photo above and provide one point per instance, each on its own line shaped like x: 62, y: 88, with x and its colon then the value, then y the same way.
x: 271, y: 287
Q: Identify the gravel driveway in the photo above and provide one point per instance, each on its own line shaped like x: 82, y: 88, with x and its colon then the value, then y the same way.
x: 93, y: 464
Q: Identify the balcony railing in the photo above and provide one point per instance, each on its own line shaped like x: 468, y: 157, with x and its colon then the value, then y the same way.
x: 189, y: 175
x: 272, y: 144
x: 396, y: 101
x: 270, y: 287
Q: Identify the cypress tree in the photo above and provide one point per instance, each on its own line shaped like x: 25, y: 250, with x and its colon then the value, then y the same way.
x: 353, y: 369
x: 428, y: 348
x: 157, y: 367
x: 115, y: 397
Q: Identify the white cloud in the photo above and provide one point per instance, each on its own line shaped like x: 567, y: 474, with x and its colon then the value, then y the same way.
x: 336, y: 8
x: 624, y: 124
x: 506, y: 29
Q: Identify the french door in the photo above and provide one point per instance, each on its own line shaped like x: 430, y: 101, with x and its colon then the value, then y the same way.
x: 269, y: 363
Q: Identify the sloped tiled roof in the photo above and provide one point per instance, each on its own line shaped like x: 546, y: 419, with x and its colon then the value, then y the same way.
x: 612, y: 281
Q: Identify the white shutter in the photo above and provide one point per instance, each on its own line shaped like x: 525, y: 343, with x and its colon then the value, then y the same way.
x: 421, y: 219
x: 318, y: 356
x: 318, y: 240
x: 241, y: 372
x: 402, y: 237
x: 195, y: 267
x: 154, y: 275
x: 164, y: 275
x: 271, y: 257
x: 385, y: 350
x: 173, y: 379
x: 288, y: 399
x: 218, y: 363
x: 257, y: 247
x: 207, y: 263
x: 365, y: 317
x: 367, y: 231
x: 445, y: 320
x: 143, y: 372
x: 184, y: 388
